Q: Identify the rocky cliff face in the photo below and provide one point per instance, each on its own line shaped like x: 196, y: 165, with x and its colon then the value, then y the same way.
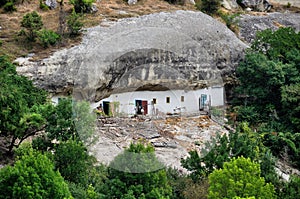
x: 249, y: 25
x: 177, y: 50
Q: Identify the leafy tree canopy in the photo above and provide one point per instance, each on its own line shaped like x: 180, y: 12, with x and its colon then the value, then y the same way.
x: 239, y: 178
x: 18, y: 101
x: 270, y: 80
x: 32, y: 176
x: 142, y: 175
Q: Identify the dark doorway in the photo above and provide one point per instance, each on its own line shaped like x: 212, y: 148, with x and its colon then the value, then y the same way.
x: 106, y: 107
x: 202, y: 102
x: 141, y: 107
x: 138, y: 105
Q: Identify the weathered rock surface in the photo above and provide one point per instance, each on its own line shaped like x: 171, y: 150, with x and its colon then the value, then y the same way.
x: 249, y: 25
x: 229, y: 4
x: 178, y: 50
x: 52, y: 4
x: 295, y: 3
x: 256, y: 5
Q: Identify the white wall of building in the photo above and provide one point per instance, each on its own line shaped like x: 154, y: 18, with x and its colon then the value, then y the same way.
x: 190, y: 104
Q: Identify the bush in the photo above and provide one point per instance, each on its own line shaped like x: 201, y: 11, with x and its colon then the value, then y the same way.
x: 82, y: 6
x: 9, y: 7
x: 43, y: 6
x: 209, y: 7
x: 291, y: 189
x: 74, y: 24
x: 48, y: 37
x: 32, y: 22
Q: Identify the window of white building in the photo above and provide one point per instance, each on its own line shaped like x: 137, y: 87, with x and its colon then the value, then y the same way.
x: 167, y: 100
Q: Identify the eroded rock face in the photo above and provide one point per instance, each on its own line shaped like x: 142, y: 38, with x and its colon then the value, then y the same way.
x: 249, y: 25
x: 256, y: 5
x: 180, y: 50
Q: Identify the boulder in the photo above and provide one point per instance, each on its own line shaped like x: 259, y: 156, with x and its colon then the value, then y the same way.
x: 256, y: 5
x: 52, y: 4
x: 132, y: 2
x: 180, y: 50
x: 229, y: 4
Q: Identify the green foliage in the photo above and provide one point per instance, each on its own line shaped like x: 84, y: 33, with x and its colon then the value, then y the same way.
x: 179, y: 182
x: 77, y: 190
x: 230, y: 20
x: 276, y: 45
x: 291, y: 189
x: 18, y: 97
x: 285, y: 145
x: 43, y: 6
x: 82, y: 6
x: 32, y: 22
x: 270, y: 78
x: 239, y: 177
x: 47, y: 37
x: 73, y: 162
x: 85, y: 122
x: 244, y: 142
x: 209, y: 7
x: 9, y: 7
x: 74, y: 24
x: 137, y: 173
x: 66, y: 121
x: 32, y: 176
x: 196, y: 189
x: 214, y: 155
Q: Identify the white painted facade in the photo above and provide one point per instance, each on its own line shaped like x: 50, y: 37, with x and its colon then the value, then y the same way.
x: 178, y: 101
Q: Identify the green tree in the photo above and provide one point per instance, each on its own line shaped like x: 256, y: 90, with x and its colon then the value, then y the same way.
x: 136, y: 173
x: 239, y: 177
x: 243, y: 142
x: 32, y: 176
x: 32, y: 22
x: 269, y: 80
x: 18, y: 99
x: 71, y: 159
x: 68, y: 120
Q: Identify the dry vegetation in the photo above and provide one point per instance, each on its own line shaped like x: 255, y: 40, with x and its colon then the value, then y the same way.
x: 107, y: 10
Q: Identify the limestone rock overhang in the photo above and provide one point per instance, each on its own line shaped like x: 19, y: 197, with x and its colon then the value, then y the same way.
x: 178, y: 50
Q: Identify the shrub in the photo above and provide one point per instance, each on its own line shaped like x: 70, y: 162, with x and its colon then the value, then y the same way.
x: 209, y: 6
x: 74, y: 24
x: 9, y: 7
x: 32, y: 22
x: 43, y: 6
x: 82, y: 6
x: 48, y: 37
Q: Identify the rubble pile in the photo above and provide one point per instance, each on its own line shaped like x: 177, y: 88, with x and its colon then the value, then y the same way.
x: 172, y: 136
